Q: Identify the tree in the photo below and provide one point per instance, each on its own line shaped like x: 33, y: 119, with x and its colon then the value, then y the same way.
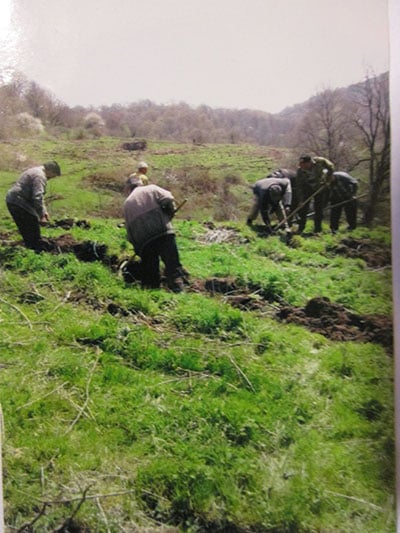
x: 94, y: 124
x: 326, y: 129
x: 372, y: 119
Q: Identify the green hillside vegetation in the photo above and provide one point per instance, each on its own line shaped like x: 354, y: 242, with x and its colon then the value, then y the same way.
x: 225, y: 408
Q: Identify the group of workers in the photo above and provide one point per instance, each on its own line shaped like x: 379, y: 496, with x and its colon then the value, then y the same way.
x: 288, y: 193
x: 149, y: 209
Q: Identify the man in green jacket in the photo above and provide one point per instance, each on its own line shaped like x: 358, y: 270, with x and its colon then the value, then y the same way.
x: 312, y: 178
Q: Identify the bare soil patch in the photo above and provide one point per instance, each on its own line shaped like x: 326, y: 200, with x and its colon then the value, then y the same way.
x: 320, y: 315
x: 235, y: 294
x: 335, y: 322
x: 374, y: 254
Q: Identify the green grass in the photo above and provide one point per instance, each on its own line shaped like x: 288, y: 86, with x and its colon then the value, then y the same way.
x: 127, y: 409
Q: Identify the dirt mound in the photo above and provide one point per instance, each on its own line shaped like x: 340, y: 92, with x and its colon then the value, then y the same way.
x: 68, y: 223
x: 237, y: 295
x: 87, y: 251
x: 374, y: 254
x: 337, y: 323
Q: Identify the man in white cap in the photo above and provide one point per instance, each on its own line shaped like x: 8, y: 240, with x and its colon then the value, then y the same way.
x: 271, y: 195
x: 141, y: 174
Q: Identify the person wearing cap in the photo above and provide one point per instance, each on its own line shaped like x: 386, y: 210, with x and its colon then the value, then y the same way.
x: 141, y: 174
x: 25, y: 202
x: 148, y: 211
x: 270, y: 195
x: 291, y: 175
x: 342, y: 190
x: 312, y: 178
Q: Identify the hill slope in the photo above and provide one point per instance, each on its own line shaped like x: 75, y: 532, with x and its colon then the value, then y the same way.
x: 260, y: 399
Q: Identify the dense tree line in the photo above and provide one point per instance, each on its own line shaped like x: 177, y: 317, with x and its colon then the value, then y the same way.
x: 175, y: 122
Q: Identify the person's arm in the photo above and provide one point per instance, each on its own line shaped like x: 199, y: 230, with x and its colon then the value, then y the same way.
x: 287, y: 196
x: 166, y: 202
x: 255, y: 209
x: 38, y: 192
x: 330, y: 167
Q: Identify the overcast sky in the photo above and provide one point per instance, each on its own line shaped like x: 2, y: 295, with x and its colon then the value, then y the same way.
x: 254, y: 54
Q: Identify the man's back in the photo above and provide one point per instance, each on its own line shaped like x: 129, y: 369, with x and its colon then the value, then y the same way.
x: 147, y: 213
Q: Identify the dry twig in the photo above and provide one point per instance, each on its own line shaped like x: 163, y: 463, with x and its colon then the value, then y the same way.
x: 18, y: 311
x: 87, y: 398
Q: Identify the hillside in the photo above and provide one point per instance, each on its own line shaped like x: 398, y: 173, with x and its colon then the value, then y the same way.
x: 258, y: 400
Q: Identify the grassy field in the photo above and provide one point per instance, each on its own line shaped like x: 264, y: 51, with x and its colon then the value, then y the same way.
x: 205, y: 411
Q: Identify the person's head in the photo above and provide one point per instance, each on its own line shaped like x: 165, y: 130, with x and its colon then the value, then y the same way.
x: 275, y: 193
x: 132, y: 183
x: 52, y: 169
x: 142, y: 167
x: 305, y: 162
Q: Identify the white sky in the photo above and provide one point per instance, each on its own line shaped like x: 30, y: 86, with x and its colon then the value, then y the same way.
x: 255, y: 54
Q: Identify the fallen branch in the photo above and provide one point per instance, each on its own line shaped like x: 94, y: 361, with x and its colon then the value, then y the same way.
x: 88, y: 497
x: 28, y: 525
x: 87, y: 398
x: 65, y: 525
x: 18, y: 311
x: 353, y: 498
x: 42, y: 397
x: 240, y: 371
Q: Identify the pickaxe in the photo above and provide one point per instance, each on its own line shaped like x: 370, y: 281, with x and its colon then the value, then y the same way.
x: 180, y: 205
x: 340, y: 203
x: 282, y: 222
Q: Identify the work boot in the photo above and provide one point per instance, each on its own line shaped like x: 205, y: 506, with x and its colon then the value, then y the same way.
x: 176, y: 285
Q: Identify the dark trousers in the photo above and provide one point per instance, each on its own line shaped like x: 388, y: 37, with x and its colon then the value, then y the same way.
x: 165, y: 248
x: 27, y: 224
x: 350, y: 210
x: 319, y: 204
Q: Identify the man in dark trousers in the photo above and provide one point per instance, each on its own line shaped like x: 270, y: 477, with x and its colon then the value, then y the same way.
x: 25, y: 202
x: 148, y: 211
x: 342, y: 192
x: 271, y: 195
x: 312, y: 176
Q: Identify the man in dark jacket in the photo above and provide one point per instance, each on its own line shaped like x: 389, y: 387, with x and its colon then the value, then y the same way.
x: 312, y: 176
x: 148, y: 211
x: 271, y: 195
x: 342, y: 192
x: 25, y: 202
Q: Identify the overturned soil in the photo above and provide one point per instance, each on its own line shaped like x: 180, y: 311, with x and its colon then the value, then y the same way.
x: 319, y: 315
x: 87, y: 251
x: 374, y: 254
x: 337, y: 323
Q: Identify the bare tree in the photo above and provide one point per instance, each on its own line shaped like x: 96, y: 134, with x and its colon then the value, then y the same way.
x: 326, y: 130
x: 372, y: 119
